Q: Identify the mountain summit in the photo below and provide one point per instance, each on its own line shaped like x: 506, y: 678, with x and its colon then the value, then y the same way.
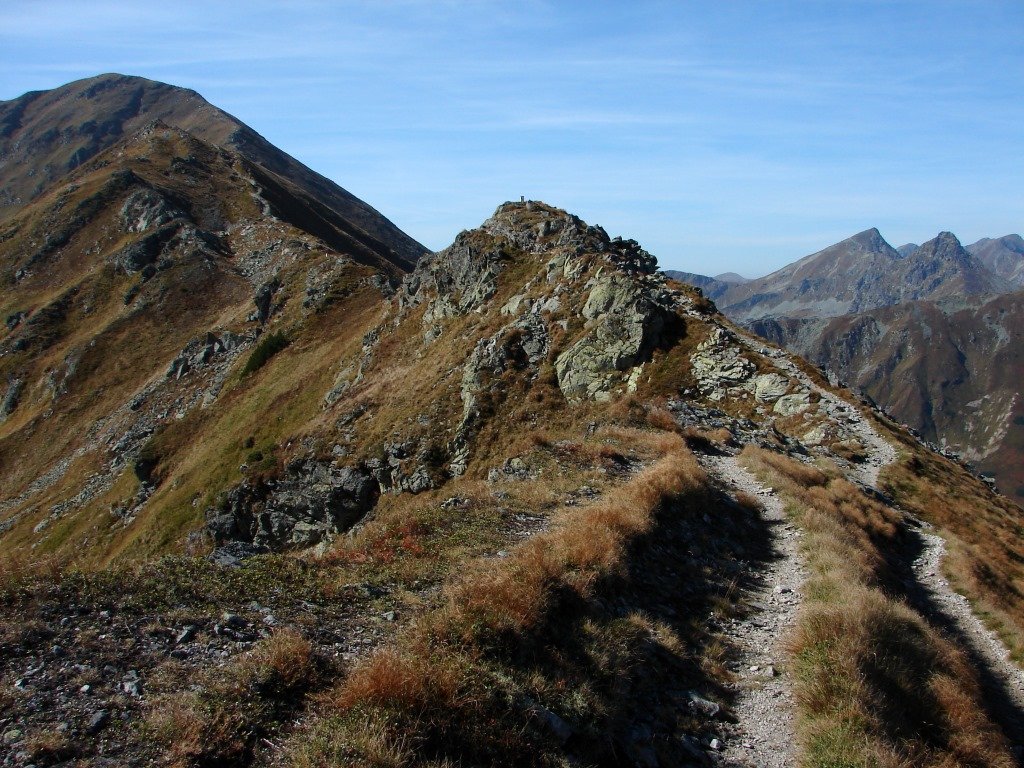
x: 860, y: 273
x: 46, y: 134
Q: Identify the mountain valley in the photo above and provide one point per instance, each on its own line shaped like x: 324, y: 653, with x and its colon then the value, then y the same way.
x: 930, y: 332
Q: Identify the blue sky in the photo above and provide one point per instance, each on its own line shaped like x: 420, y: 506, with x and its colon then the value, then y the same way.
x: 721, y: 135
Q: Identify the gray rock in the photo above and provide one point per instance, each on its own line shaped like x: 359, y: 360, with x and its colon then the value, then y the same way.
x: 790, y: 405
x: 186, y: 635
x: 551, y: 722
x: 145, y: 209
x: 699, y: 704
x: 312, y: 501
x: 11, y: 398
x: 97, y: 722
x: 769, y: 387
x: 628, y: 321
x: 264, y: 299
x: 717, y: 362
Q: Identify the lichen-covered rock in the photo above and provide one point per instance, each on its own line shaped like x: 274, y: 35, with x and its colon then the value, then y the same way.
x: 627, y: 321
x: 522, y: 344
x: 717, y: 362
x: 145, y: 209
x: 456, y: 280
x: 769, y: 387
x: 790, y: 405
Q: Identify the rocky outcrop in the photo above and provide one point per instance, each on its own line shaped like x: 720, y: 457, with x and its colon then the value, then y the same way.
x: 11, y: 398
x: 406, y: 466
x: 456, y: 280
x: 161, y: 248
x: 718, y: 364
x: 627, y: 318
x: 313, y: 501
x: 145, y: 209
x: 519, y: 345
x: 200, y: 352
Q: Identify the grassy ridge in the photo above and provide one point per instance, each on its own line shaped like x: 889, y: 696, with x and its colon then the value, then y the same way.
x: 488, y: 677
x: 876, y: 684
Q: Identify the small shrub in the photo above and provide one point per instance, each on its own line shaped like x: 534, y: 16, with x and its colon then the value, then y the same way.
x: 267, y: 347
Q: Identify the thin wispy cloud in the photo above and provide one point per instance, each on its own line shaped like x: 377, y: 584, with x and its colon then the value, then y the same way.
x: 741, y: 134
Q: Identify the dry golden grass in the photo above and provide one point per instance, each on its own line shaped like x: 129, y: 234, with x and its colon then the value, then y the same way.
x: 876, y: 684
x: 431, y: 688
x: 49, y: 746
x: 237, y: 705
x: 984, y: 531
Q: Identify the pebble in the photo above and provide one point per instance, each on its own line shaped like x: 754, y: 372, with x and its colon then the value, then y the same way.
x: 185, y: 635
x: 98, y: 721
x: 715, y: 744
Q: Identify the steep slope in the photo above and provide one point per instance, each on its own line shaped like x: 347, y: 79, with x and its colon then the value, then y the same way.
x: 916, y: 328
x: 1003, y: 255
x: 537, y: 569
x: 46, y: 134
x: 133, y: 293
x: 858, y: 274
x: 953, y: 377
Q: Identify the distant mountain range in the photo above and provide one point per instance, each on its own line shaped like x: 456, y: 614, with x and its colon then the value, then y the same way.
x: 933, y: 332
x: 858, y: 274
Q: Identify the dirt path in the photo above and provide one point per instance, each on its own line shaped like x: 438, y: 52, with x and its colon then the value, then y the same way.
x: 880, y: 453
x: 764, y: 735
x: 1002, y: 679
x: 954, y: 611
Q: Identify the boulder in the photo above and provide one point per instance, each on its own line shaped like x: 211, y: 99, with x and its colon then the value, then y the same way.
x: 769, y: 387
x: 790, y: 405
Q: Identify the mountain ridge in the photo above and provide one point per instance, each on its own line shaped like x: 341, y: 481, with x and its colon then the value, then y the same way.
x: 45, y: 134
x: 273, y: 498
x: 859, y: 273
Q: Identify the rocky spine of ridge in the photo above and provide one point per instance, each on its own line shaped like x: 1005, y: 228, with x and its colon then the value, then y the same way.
x: 533, y: 302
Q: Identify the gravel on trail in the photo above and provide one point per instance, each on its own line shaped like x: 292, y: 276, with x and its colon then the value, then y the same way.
x: 764, y: 735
